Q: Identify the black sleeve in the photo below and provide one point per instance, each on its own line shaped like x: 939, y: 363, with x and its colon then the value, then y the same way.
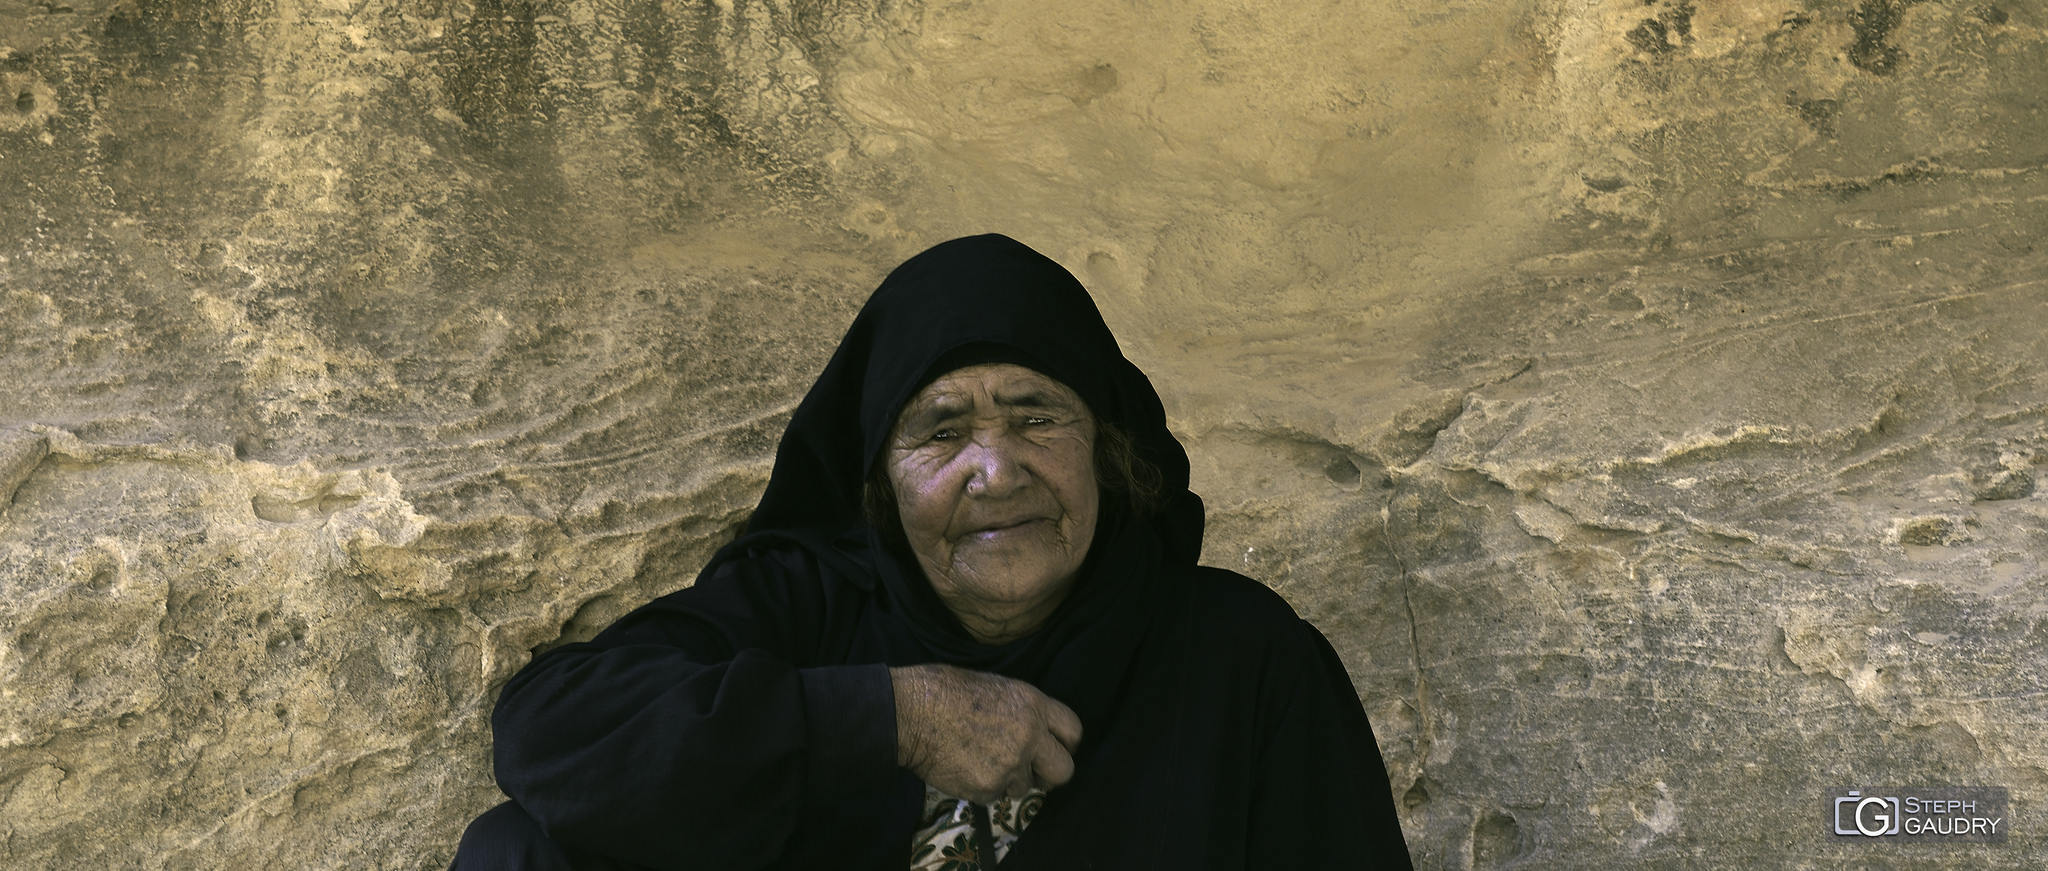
x: 693, y: 731
x: 1321, y: 797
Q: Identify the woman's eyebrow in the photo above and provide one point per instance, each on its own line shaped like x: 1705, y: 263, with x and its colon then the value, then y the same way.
x: 1034, y: 397
x: 934, y: 411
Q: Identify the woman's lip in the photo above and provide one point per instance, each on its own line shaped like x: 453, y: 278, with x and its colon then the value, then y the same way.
x: 1006, y: 526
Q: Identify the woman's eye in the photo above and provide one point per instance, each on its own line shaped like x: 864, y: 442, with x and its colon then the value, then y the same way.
x: 1037, y: 421
x: 944, y: 435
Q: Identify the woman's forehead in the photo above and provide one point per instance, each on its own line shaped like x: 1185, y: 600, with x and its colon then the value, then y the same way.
x: 1007, y: 384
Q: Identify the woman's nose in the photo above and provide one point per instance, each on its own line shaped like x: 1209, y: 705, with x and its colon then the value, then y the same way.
x: 994, y: 467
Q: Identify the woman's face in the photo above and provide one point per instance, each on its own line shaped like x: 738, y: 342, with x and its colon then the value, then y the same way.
x: 994, y: 473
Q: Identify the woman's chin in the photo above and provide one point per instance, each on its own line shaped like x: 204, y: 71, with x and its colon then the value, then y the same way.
x: 1012, y: 576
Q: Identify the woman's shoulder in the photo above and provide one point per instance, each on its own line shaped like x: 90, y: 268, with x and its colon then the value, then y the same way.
x: 1238, y: 629
x: 1225, y: 587
x: 804, y: 560
x: 1227, y: 603
x: 776, y: 584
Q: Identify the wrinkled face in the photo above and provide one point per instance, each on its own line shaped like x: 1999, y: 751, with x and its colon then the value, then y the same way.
x: 994, y: 473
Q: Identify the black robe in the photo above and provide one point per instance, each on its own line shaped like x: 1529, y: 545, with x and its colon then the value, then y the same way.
x: 748, y: 721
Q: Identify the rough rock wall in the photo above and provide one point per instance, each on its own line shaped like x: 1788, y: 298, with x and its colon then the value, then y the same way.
x: 1648, y: 399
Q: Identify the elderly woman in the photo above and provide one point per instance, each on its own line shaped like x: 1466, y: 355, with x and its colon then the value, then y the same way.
x: 964, y: 626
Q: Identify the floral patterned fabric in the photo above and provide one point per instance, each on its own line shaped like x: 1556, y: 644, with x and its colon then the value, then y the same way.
x: 945, y: 838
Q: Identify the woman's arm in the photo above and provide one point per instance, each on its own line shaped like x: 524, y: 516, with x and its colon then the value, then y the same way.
x: 697, y: 731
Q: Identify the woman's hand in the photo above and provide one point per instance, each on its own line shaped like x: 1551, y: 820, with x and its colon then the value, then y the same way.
x: 981, y: 736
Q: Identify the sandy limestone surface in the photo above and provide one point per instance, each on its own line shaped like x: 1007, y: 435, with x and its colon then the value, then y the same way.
x: 1647, y: 399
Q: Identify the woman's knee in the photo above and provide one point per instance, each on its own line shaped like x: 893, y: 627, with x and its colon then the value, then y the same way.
x: 504, y: 838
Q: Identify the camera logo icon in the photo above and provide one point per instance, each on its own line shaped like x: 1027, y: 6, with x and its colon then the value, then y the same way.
x: 1869, y: 815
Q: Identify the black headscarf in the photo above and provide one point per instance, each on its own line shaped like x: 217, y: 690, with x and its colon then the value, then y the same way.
x: 980, y: 299
x: 984, y: 299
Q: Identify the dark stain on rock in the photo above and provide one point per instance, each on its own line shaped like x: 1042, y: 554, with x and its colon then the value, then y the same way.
x: 1918, y: 169
x: 1342, y: 471
x: 1417, y: 795
x: 492, y: 80
x: 284, y: 642
x: 1875, y: 21
x: 1605, y: 184
x: 1990, y: 14
x: 103, y: 579
x: 1496, y: 840
x: 1093, y: 82
x: 361, y: 677
x: 1664, y: 33
x: 1933, y: 531
x: 2006, y: 484
x: 1621, y: 299
x: 688, y: 123
x: 1818, y: 114
x: 161, y: 35
x: 1649, y: 36
x: 685, y: 62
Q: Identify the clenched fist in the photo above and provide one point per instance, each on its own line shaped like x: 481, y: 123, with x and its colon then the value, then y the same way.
x: 981, y: 736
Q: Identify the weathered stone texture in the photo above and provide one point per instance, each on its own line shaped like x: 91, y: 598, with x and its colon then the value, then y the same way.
x: 1648, y: 399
